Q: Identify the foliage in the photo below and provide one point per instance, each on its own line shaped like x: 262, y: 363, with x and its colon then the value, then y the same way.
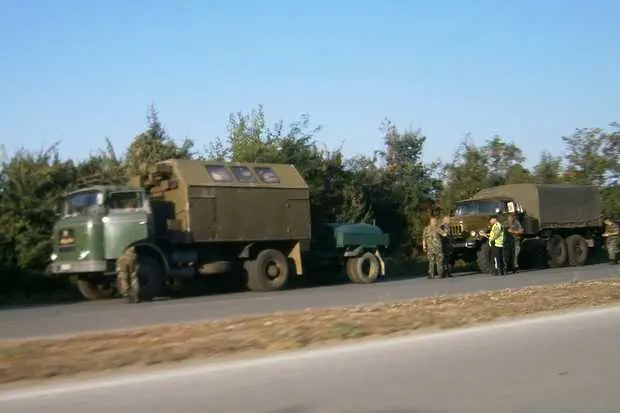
x: 393, y: 187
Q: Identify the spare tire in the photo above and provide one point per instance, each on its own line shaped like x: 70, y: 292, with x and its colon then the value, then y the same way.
x: 557, y: 253
x: 364, y: 269
x: 578, y: 250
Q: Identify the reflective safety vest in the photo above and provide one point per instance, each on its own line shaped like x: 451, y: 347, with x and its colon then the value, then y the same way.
x: 497, y: 235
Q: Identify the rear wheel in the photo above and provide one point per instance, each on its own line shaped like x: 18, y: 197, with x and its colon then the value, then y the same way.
x: 364, y: 269
x: 556, y: 251
x: 268, y: 271
x: 577, y: 250
x: 93, y: 290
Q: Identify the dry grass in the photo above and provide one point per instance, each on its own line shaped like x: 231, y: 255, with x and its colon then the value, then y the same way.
x: 47, y: 358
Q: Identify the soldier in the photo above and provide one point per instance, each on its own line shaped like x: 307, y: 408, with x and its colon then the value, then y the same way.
x: 516, y: 231
x: 612, y: 233
x: 496, y: 241
x: 446, y: 246
x: 431, y: 244
x: 127, y: 276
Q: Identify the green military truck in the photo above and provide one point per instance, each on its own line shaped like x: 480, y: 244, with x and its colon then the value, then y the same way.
x: 189, y: 219
x: 562, y: 223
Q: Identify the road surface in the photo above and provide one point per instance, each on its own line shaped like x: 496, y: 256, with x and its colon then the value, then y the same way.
x: 565, y: 363
x: 107, y: 315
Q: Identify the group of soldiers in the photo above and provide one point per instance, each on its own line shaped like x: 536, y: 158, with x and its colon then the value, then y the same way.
x: 505, y: 245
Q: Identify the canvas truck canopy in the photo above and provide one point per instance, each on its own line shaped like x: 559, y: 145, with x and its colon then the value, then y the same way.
x: 560, y: 205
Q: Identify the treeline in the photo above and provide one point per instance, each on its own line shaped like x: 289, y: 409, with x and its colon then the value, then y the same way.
x: 393, y: 188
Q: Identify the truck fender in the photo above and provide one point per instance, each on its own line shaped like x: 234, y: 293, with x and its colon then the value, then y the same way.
x: 156, y: 249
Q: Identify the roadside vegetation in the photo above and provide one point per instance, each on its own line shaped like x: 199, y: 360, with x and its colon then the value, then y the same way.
x: 89, y: 353
x: 393, y: 187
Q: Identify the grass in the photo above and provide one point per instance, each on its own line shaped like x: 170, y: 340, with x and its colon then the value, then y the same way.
x: 97, y: 352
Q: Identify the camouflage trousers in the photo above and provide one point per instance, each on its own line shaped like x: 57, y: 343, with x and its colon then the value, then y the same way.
x: 612, y: 248
x: 127, y: 275
x: 435, y: 261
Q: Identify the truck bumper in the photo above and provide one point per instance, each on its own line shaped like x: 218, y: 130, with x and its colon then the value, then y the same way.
x: 468, y: 244
x: 77, y: 267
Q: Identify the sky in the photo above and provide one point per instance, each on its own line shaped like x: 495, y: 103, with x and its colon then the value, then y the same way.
x: 531, y: 71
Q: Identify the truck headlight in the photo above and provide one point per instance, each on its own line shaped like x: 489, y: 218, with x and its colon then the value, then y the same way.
x: 53, y: 257
x: 473, y: 233
x: 83, y: 255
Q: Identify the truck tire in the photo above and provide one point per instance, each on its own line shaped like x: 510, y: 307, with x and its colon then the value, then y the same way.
x: 151, y: 276
x: 577, y: 250
x: 557, y: 253
x: 364, y: 269
x: 483, y: 258
x: 92, y: 290
x: 268, y: 271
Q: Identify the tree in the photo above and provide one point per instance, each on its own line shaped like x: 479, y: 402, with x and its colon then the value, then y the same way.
x: 548, y: 170
x: 154, y: 145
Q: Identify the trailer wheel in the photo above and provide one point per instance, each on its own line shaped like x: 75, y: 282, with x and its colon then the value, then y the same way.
x: 556, y: 251
x: 268, y: 271
x: 92, y: 290
x: 363, y: 269
x: 577, y: 250
x: 151, y: 277
x: 483, y: 258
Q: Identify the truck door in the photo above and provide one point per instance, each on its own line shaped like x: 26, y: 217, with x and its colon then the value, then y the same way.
x: 127, y: 221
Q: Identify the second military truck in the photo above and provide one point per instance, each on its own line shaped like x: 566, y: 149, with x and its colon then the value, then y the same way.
x: 562, y: 223
x: 189, y: 218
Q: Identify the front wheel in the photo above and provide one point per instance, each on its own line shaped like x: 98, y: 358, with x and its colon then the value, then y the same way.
x: 93, y: 290
x: 483, y: 258
x: 151, y: 277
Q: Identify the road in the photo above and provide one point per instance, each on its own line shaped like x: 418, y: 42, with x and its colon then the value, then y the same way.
x: 80, y: 317
x: 562, y: 363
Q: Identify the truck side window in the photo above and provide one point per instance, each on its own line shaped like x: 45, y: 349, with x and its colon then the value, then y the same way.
x: 267, y: 174
x: 243, y: 174
x: 219, y: 173
x: 125, y: 201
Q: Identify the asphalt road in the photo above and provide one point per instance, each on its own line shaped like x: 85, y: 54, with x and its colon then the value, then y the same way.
x: 565, y: 363
x: 107, y: 315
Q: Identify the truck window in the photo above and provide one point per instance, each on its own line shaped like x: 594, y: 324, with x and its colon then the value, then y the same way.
x: 219, y: 173
x: 243, y: 174
x: 478, y: 208
x: 80, y: 204
x: 267, y: 174
x: 125, y: 201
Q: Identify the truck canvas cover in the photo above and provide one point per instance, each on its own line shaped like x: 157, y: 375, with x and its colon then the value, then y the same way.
x: 559, y: 205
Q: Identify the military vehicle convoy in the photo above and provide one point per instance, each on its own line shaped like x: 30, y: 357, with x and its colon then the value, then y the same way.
x: 189, y: 219
x: 562, y: 223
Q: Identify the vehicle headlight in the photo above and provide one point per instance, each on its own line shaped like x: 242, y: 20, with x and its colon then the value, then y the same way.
x: 53, y: 257
x: 473, y: 233
x: 83, y: 255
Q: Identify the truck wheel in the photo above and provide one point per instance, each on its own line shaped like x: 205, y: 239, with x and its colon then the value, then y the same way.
x: 483, y: 258
x: 577, y: 250
x: 268, y: 271
x: 151, y: 277
x: 363, y: 269
x: 556, y: 251
x: 92, y: 290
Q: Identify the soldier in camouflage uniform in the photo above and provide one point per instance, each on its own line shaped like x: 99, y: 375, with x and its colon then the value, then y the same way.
x: 515, y: 232
x: 612, y: 233
x: 446, y: 246
x: 127, y: 275
x: 432, y: 245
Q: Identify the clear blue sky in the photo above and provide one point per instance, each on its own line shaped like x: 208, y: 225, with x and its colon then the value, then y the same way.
x: 530, y: 71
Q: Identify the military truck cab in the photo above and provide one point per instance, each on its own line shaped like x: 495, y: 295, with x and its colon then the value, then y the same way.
x: 94, y: 227
x: 189, y: 219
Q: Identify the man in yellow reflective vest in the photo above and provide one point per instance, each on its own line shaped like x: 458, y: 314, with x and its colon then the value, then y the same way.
x: 496, y: 242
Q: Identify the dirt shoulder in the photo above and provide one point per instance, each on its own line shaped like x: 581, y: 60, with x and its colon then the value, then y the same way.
x: 97, y: 352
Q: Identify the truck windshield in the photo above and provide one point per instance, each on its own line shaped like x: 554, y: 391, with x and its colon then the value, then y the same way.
x: 125, y: 201
x: 80, y: 204
x: 478, y: 208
